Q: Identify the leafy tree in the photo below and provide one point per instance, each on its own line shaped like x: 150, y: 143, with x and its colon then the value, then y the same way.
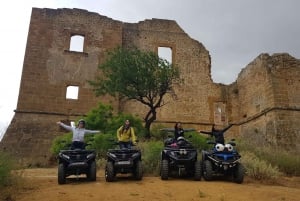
x: 132, y: 74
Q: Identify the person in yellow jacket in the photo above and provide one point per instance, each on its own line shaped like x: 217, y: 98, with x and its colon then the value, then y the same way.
x: 126, y: 135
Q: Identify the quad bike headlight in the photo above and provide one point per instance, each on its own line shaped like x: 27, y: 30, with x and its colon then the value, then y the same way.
x: 182, y: 151
x: 135, y: 155
x: 173, y: 153
x: 219, y: 147
x: 112, y: 155
x: 64, y: 156
x: 90, y: 156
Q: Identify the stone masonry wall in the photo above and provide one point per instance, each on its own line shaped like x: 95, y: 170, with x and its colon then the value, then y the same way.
x: 268, y: 90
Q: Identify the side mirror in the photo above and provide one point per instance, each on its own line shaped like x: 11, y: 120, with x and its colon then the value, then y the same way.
x: 232, y: 143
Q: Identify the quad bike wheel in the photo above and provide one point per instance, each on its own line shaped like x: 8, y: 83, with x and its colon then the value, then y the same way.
x: 92, y: 172
x: 238, y: 173
x: 164, y: 169
x: 109, y: 172
x: 198, y: 171
x: 207, y: 170
x: 138, y: 172
x: 61, y: 174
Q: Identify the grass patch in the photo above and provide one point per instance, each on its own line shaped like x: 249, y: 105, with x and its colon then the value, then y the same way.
x: 151, y: 152
x: 286, y: 162
x: 6, y: 165
x: 257, y: 168
x: 11, y: 182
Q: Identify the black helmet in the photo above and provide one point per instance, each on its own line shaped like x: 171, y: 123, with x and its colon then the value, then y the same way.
x: 81, y: 121
x: 168, y: 141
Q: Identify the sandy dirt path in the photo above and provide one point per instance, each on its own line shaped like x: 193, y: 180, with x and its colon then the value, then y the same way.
x: 44, y: 187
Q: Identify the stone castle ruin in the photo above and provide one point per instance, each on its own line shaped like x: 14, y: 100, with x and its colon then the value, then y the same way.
x: 264, y: 101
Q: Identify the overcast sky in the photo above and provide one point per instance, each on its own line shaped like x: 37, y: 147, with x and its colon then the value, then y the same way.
x: 234, y: 32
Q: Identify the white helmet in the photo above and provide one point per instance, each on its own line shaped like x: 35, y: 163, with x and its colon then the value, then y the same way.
x: 180, y: 138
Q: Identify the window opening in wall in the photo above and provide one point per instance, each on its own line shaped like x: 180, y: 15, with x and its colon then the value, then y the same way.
x: 72, y: 92
x: 219, y: 113
x: 165, y: 53
x: 76, y: 43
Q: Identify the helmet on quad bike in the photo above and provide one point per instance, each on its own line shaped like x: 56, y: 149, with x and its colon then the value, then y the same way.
x: 180, y: 140
x: 81, y: 121
x: 168, y: 141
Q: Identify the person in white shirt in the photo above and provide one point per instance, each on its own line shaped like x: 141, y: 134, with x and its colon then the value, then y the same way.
x: 78, y: 133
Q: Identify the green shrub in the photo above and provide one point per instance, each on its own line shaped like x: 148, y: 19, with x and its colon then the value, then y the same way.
x: 287, y: 162
x: 6, y: 166
x: 11, y: 181
x: 198, y: 141
x: 151, y: 153
x: 99, y: 118
x: 157, y: 133
x: 101, y: 143
x: 61, y: 142
x: 257, y: 168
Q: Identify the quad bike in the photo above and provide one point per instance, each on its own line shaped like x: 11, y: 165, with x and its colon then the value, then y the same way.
x: 181, y: 157
x: 222, y: 160
x: 123, y: 161
x: 76, y: 162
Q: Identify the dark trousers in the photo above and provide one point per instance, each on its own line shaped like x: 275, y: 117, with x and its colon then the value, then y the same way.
x: 125, y: 145
x: 77, y: 145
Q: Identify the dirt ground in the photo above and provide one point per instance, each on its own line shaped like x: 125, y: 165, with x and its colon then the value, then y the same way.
x: 43, y: 186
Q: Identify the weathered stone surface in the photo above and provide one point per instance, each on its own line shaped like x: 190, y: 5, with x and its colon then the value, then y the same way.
x: 264, y: 101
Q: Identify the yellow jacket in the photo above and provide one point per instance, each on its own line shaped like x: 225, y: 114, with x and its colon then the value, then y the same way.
x: 126, y: 135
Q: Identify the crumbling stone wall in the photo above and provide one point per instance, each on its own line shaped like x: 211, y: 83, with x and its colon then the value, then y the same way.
x: 269, y: 98
x: 263, y: 102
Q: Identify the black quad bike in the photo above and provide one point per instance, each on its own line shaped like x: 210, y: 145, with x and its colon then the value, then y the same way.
x: 222, y: 160
x: 76, y: 162
x: 123, y: 161
x: 180, y: 157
